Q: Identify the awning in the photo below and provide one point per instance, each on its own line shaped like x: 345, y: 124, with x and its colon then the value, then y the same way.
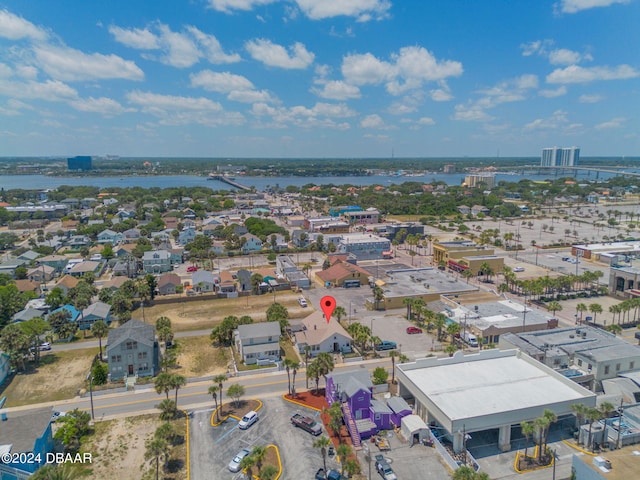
x: 458, y: 265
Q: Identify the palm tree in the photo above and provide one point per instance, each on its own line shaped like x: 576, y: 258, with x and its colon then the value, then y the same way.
x: 580, y: 411
x: 322, y: 443
x: 220, y: 379
x: 339, y: 312
x: 313, y: 371
x: 177, y: 382
x: 581, y: 307
x: 595, y: 308
x: 287, y: 365
x: 163, y: 383
x: 615, y: 329
x: 393, y: 354
x: 554, y: 307
x: 527, y: 429
x: 100, y: 329
x: 307, y: 351
x: 259, y: 453
x: 247, y: 464
x: 156, y: 448
x: 343, y: 451
x: 593, y: 415
x: 378, y: 296
x: 440, y: 322
x: 294, y: 369
x: 213, y: 391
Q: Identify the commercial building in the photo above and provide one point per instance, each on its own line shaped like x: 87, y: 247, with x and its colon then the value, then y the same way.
x: 465, y: 255
x: 560, y: 157
x: 366, y: 217
x: 585, y: 354
x: 79, y: 163
x: 492, y: 389
x: 364, y: 246
x: 490, y: 320
x: 427, y: 284
x: 488, y: 180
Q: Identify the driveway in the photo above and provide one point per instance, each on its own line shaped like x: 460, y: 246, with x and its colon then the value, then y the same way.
x: 212, y: 448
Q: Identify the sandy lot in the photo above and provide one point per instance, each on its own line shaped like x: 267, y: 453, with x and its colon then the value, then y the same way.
x: 60, y: 376
x: 118, y: 448
x: 207, y: 313
x: 198, y: 358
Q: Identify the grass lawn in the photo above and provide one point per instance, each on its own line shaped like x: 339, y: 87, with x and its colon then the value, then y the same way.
x: 197, y: 357
x: 59, y: 376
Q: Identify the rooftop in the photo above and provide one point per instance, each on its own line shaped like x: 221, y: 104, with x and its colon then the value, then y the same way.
x: 424, y: 281
x: 22, y: 428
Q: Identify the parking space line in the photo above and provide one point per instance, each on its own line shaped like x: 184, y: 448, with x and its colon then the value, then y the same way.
x: 227, y: 433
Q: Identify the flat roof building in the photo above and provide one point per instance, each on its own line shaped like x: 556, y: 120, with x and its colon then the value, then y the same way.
x: 492, y: 389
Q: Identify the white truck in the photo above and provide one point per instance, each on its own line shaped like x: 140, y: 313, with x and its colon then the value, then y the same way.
x: 470, y: 339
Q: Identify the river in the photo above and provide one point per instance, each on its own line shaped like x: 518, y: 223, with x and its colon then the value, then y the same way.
x: 41, y: 182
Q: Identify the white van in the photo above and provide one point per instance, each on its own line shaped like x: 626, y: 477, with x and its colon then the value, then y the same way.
x: 248, y: 420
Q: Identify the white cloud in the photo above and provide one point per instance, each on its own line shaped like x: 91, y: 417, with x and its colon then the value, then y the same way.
x: 337, y: 90
x: 426, y: 121
x: 556, y: 121
x: 179, y: 49
x: 366, y: 69
x: 250, y: 96
x: 16, y: 28
x: 103, y: 105
x: 408, y: 69
x: 51, y: 90
x: 372, y: 121
x: 222, y: 82
x: 613, y: 123
x: 362, y: 10
x: 539, y: 47
x: 574, y: 6
x: 440, y: 95
x: 558, y: 92
x: 320, y: 115
x: 140, y: 39
x: 274, y: 55
x: 212, y: 49
x: 470, y: 113
x: 563, y: 56
x: 180, y: 110
x: 590, y: 98
x: 399, y: 108
x: 228, y: 6
x: 576, y: 74
x: 69, y: 64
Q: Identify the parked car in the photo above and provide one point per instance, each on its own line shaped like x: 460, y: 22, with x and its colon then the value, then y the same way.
x: 518, y: 269
x: 302, y: 302
x: 45, y: 346
x: 412, y: 330
x: 386, y: 345
x: 234, y: 464
x: 192, y: 269
x: 248, y: 420
x: 384, y: 469
x: 306, y: 423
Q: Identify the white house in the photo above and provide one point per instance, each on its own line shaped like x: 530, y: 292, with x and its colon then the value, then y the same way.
x: 322, y: 336
x: 258, y: 341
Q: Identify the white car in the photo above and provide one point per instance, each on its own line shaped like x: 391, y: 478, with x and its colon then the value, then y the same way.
x: 302, y: 302
x: 518, y: 269
x: 248, y: 420
x: 234, y: 465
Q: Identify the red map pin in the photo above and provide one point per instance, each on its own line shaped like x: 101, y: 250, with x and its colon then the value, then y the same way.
x: 328, y: 305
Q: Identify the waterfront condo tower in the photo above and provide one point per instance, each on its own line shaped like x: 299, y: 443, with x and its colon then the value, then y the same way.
x: 560, y: 156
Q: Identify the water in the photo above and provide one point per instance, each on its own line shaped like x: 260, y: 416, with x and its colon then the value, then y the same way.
x: 41, y: 182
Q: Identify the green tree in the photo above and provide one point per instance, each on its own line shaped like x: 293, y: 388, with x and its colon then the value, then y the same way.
x: 258, y: 453
x: 177, y: 382
x: 100, y: 373
x: 15, y: 343
x: 156, y: 449
x: 595, y: 308
x: 100, y: 329
x: 268, y: 472
x: 247, y: 465
x: 74, y: 426
x: 322, y: 443
x: 213, y: 391
x: 380, y: 376
x: 220, y: 379
x: 235, y: 392
x: 527, y: 429
x: 554, y: 307
x: 278, y: 313
x: 339, y: 312
x: 378, y: 296
x: 163, y: 383
x: 168, y: 409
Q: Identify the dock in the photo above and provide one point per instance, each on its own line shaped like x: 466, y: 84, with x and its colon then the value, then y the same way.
x: 228, y: 181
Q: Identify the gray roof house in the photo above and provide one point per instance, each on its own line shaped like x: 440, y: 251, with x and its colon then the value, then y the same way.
x: 132, y: 350
x: 258, y: 342
x: 203, y: 281
x: 94, y: 312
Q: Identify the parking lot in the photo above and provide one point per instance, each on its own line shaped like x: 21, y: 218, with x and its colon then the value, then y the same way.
x: 212, y: 448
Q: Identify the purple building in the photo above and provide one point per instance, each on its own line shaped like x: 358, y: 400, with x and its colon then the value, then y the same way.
x: 352, y: 390
x: 381, y: 415
x: 399, y: 408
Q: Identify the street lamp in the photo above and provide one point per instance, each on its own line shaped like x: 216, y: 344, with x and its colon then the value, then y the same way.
x: 91, y: 396
x: 524, y: 314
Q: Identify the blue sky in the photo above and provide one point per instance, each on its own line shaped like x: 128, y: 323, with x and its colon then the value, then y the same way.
x: 319, y: 78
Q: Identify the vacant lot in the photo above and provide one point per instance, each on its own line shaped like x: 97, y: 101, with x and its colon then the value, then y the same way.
x: 60, y: 376
x: 118, y: 448
x: 198, y: 358
x: 207, y: 313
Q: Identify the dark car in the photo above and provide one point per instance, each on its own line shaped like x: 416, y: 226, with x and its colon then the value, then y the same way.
x: 412, y: 330
x: 386, y: 345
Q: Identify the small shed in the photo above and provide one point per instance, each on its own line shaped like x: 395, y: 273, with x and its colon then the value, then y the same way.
x: 414, y: 429
x: 399, y: 408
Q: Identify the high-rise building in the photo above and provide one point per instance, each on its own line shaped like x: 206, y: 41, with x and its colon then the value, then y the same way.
x: 560, y: 156
x: 79, y: 163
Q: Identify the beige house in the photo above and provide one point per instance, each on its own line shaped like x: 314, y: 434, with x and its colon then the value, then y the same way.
x: 322, y: 336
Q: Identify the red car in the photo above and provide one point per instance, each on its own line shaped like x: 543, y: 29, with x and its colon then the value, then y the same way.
x: 411, y: 330
x: 192, y: 268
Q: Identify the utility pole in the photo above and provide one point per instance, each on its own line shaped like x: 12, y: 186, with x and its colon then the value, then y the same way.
x: 620, y: 410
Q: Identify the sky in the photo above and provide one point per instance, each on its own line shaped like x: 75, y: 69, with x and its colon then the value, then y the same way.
x: 319, y: 78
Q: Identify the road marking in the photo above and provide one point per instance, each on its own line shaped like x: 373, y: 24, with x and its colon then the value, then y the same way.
x: 229, y: 431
